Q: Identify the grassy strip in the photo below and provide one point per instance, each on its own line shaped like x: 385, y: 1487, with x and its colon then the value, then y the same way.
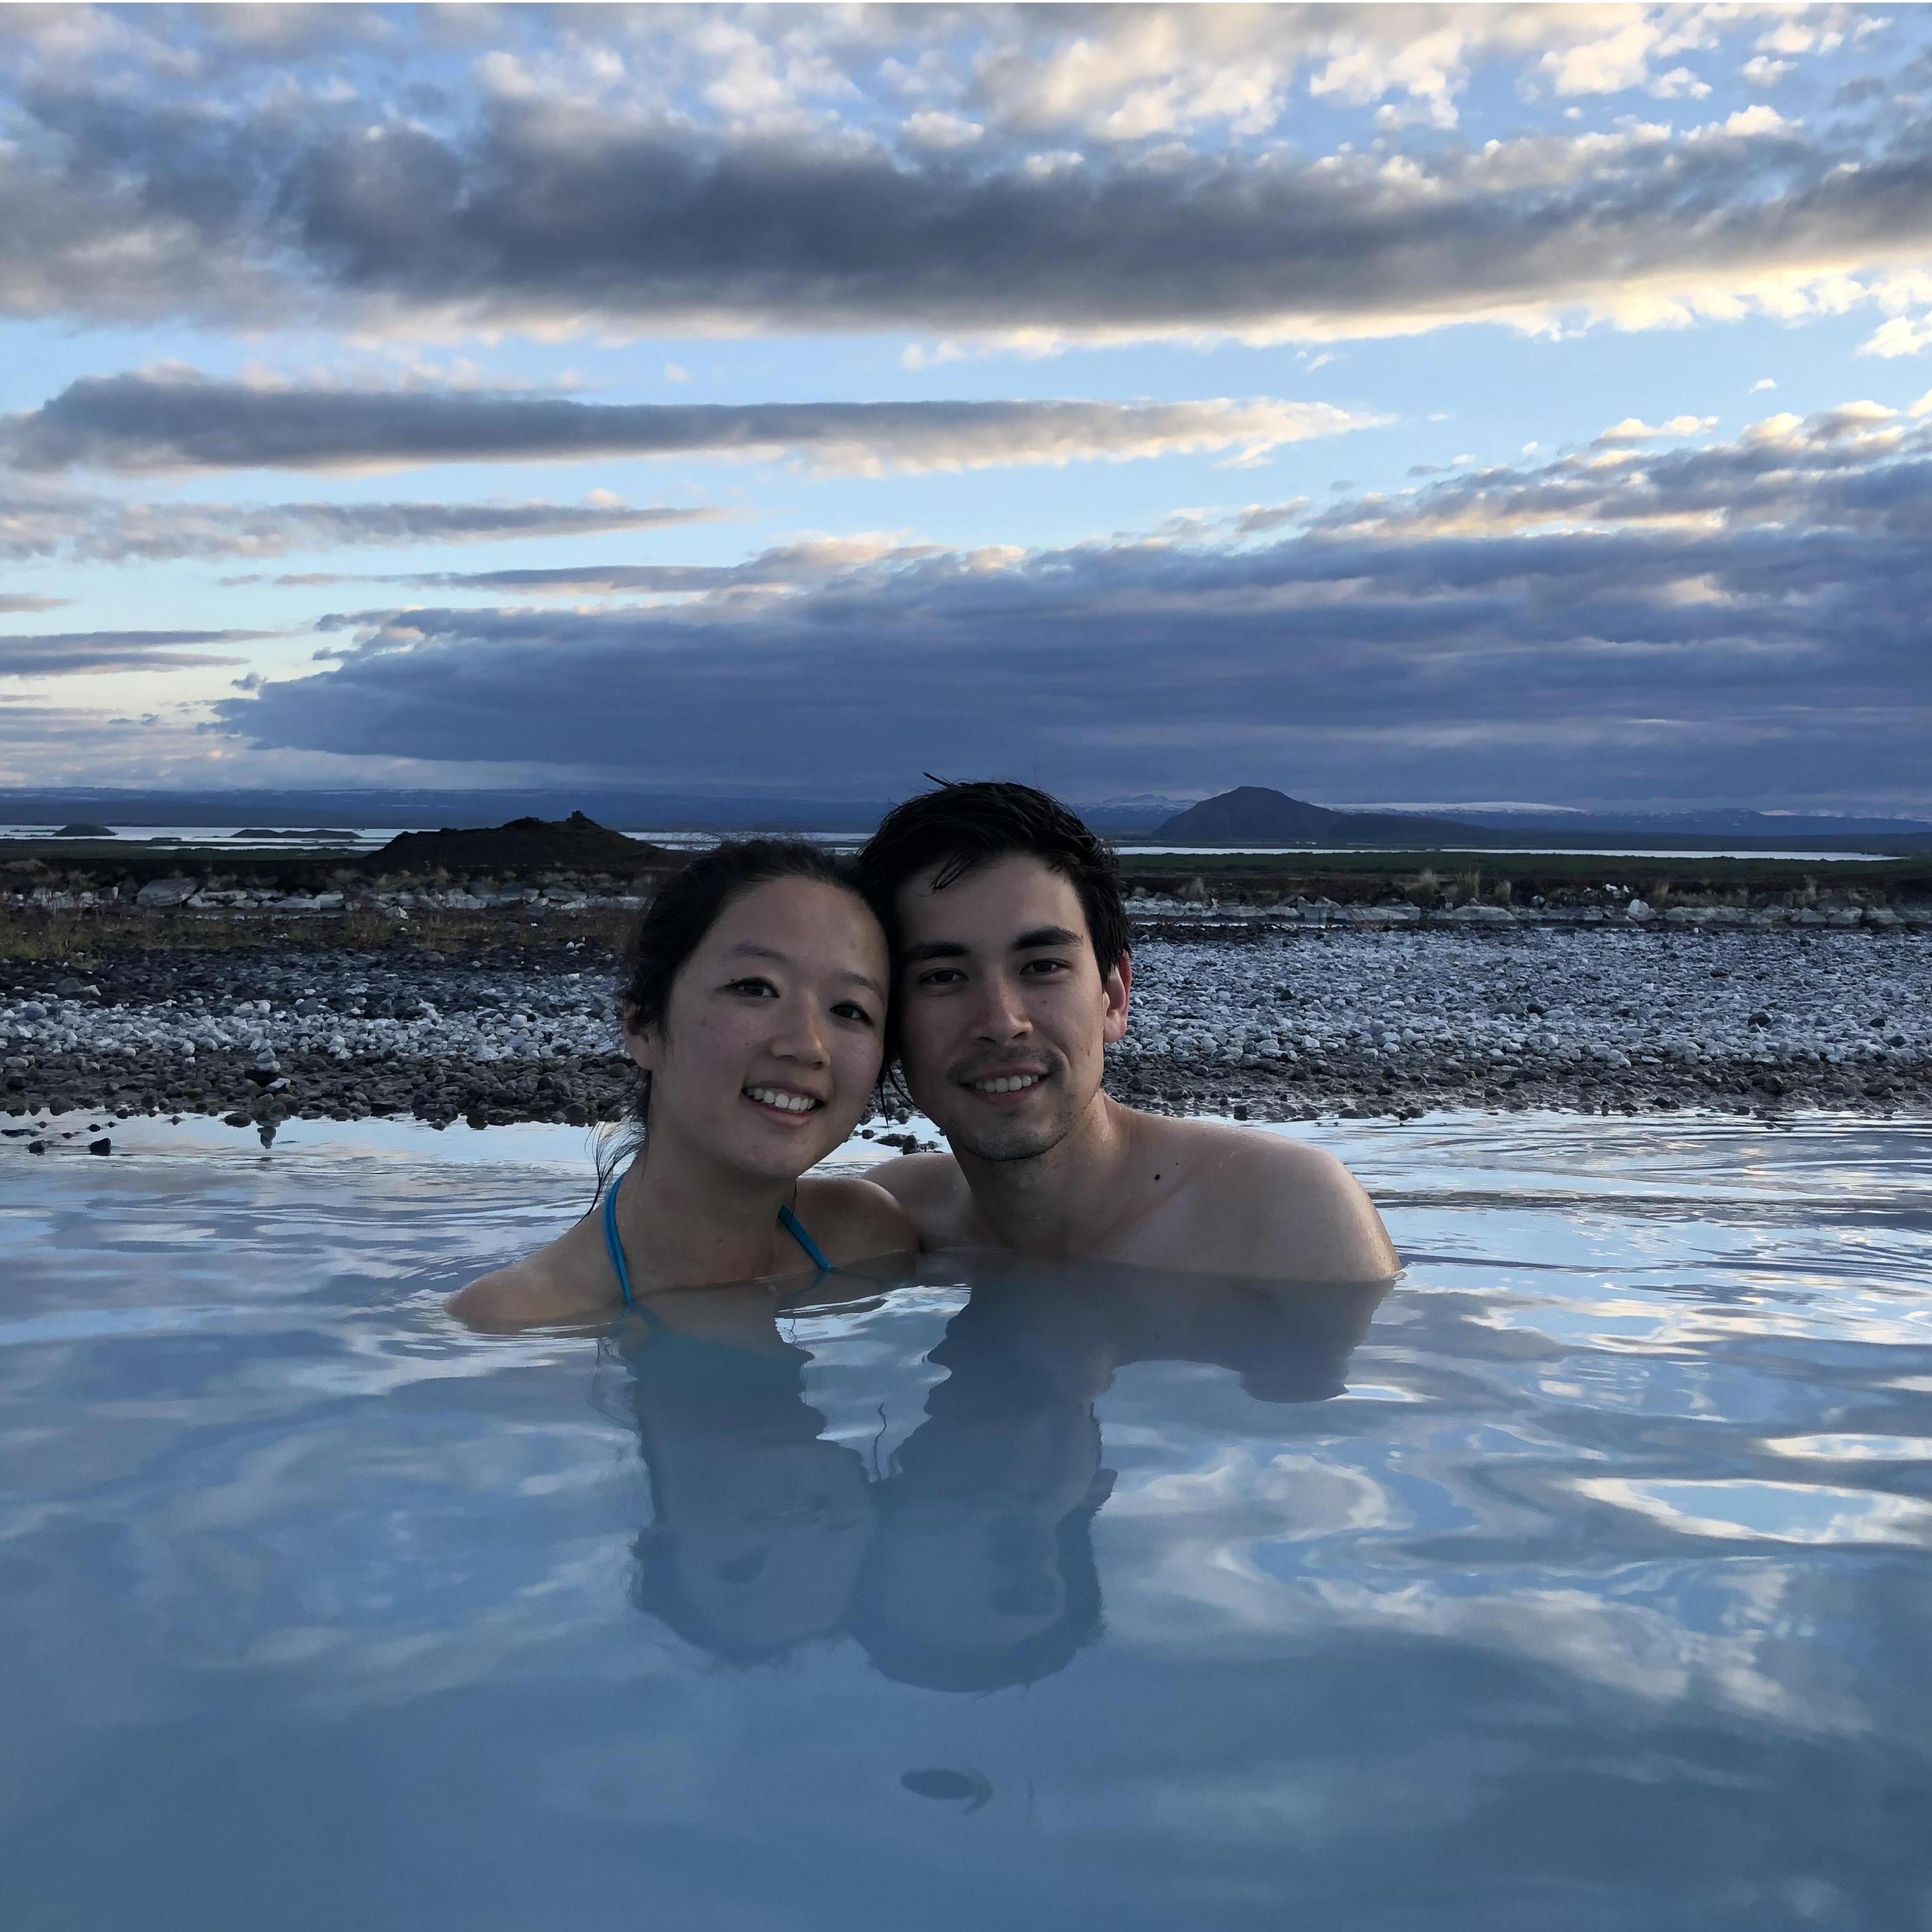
x: 1435, y: 876
x: 74, y: 936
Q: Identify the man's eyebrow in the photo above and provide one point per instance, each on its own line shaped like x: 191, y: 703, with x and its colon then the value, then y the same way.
x: 1045, y: 935
x: 934, y: 949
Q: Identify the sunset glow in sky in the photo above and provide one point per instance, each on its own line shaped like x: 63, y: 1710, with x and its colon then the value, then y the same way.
x: 1421, y: 403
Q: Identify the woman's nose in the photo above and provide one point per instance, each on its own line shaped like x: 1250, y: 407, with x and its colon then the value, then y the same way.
x: 802, y: 1038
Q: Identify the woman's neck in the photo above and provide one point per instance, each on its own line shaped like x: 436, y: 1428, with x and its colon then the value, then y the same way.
x: 686, y: 1223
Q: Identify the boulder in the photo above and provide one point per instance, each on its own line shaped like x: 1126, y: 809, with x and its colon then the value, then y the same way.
x: 165, y: 892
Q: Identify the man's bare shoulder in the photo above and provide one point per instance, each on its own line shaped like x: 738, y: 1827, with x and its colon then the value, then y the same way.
x: 1269, y: 1205
x: 930, y: 1189
x: 855, y: 1219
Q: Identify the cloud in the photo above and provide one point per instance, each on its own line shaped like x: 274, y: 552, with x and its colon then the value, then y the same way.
x: 1736, y: 621
x: 1634, y: 429
x: 812, y: 560
x: 62, y: 654
x: 174, y: 421
x: 20, y: 600
x: 1134, y: 177
x: 86, y: 528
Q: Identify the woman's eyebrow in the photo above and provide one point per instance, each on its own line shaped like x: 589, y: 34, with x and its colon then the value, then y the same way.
x: 750, y: 949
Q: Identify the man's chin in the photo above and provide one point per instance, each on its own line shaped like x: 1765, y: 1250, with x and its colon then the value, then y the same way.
x: 1006, y: 1140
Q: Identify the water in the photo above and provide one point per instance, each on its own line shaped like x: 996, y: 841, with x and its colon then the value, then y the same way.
x: 369, y: 838
x: 1584, y: 1582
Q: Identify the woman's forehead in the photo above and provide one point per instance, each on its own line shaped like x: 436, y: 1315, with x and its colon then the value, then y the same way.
x: 797, y: 920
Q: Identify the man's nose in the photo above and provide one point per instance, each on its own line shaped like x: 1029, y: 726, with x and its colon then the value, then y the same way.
x: 1002, y: 1015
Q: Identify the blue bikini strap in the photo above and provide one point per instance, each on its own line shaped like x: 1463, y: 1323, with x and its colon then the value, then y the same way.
x: 795, y: 1227
x: 788, y: 1220
x: 616, y: 1247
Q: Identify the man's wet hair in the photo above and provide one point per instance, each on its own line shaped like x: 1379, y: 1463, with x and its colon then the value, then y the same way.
x: 958, y: 828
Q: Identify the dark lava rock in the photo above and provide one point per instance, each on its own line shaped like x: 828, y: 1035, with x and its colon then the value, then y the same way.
x: 576, y: 843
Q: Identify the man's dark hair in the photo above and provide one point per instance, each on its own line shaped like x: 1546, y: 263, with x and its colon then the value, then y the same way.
x: 960, y: 827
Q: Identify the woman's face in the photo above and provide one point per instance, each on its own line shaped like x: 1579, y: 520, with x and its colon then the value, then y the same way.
x: 770, y: 1043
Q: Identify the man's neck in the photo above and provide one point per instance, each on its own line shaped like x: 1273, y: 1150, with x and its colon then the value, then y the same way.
x: 1063, y: 1201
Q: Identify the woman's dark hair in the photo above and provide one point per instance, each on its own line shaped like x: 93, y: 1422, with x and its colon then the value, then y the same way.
x: 960, y: 827
x: 671, y: 928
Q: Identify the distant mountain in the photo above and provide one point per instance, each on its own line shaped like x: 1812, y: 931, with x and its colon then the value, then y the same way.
x: 1256, y: 815
x: 524, y: 843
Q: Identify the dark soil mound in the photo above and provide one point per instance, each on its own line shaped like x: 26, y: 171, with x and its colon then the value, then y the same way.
x: 88, y: 831
x: 575, y: 844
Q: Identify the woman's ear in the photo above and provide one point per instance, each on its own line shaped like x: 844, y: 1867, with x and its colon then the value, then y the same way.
x: 640, y: 1041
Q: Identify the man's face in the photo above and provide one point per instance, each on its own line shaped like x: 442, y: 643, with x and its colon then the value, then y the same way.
x: 1004, y: 1015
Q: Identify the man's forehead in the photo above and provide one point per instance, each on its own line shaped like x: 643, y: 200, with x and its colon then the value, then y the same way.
x: 988, y: 903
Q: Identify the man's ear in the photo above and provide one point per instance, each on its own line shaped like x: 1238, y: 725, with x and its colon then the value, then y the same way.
x: 1118, y: 984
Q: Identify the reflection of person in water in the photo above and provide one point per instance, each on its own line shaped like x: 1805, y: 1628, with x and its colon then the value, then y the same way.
x: 759, y: 1525
x: 971, y: 1565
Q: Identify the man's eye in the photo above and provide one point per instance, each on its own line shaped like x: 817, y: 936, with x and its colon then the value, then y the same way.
x: 940, y: 975
x: 1037, y: 967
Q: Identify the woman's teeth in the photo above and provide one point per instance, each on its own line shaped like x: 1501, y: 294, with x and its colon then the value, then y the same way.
x: 786, y: 1103
x: 1007, y: 1083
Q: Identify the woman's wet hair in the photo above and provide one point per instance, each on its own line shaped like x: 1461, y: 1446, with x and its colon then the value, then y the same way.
x: 673, y: 927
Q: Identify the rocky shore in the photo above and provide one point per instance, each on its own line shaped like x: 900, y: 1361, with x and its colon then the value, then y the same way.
x: 1291, y: 1014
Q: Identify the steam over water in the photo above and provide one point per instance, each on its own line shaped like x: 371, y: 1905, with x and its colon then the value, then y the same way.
x: 1582, y: 1581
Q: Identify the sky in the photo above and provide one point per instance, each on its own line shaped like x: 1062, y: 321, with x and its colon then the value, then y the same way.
x: 1434, y: 405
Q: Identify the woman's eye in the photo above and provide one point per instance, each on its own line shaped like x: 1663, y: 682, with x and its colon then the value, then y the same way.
x: 850, y: 1010
x: 754, y: 988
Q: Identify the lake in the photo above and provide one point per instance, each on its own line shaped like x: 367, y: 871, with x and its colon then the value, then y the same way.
x: 1584, y: 1580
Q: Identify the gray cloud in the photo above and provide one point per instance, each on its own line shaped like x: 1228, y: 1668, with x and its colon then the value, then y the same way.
x: 811, y: 561
x: 18, y: 600
x: 529, y: 202
x: 88, y: 528
x: 1652, y: 655
x: 174, y: 421
x: 65, y: 653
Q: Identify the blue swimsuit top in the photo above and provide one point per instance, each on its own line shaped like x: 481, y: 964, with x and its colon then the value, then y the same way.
x: 788, y: 1220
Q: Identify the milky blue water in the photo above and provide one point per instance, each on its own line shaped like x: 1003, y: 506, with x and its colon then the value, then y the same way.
x: 1585, y: 1581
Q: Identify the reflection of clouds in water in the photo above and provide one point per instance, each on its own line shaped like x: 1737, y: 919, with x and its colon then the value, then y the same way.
x: 1760, y: 1512
x: 1751, y: 1655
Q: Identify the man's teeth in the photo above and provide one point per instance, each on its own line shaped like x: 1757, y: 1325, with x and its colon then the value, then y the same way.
x: 786, y: 1103
x: 1007, y: 1083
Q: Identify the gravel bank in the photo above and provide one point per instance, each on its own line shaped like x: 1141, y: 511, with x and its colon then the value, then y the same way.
x: 1275, y: 1019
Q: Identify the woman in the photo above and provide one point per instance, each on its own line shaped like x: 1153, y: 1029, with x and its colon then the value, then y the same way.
x: 755, y: 1011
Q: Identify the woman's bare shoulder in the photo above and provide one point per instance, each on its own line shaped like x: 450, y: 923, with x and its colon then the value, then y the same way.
x: 559, y: 1282
x: 853, y: 1219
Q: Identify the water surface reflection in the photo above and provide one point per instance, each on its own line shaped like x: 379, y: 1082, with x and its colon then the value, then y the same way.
x: 967, y: 1564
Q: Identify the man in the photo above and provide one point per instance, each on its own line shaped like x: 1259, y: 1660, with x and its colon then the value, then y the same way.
x: 1013, y: 977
